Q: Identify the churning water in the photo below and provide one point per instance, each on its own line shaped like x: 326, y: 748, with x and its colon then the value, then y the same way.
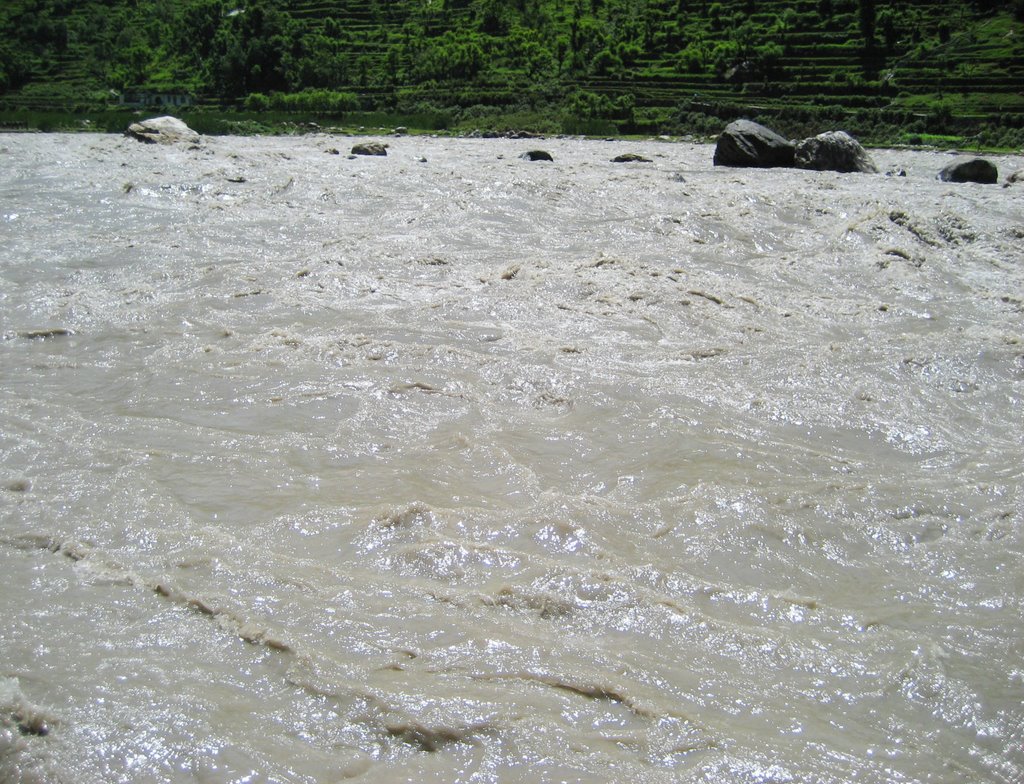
x: 452, y: 467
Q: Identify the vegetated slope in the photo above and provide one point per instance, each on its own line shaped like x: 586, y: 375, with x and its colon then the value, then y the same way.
x: 637, y: 64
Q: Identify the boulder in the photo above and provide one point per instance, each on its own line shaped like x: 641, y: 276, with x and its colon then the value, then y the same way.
x: 745, y: 143
x: 971, y: 170
x: 369, y: 148
x: 162, y: 130
x: 631, y: 157
x: 536, y: 155
x: 1013, y: 179
x: 833, y: 151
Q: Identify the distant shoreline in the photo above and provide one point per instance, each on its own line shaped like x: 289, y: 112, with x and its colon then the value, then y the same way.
x: 234, y: 123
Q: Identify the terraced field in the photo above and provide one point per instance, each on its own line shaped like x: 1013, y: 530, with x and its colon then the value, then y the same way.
x: 643, y: 64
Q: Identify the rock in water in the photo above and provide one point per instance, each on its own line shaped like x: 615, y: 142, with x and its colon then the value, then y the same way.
x: 536, y: 155
x: 369, y: 148
x: 162, y: 130
x: 973, y: 170
x: 833, y: 151
x: 631, y: 157
x: 745, y: 143
x: 1017, y: 176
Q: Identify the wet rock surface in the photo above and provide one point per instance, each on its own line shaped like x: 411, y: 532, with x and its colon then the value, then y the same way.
x: 536, y: 155
x: 747, y: 144
x: 162, y: 130
x: 833, y: 151
x: 369, y: 148
x: 976, y: 170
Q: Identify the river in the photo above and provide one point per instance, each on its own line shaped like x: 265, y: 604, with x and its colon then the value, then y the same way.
x: 447, y: 466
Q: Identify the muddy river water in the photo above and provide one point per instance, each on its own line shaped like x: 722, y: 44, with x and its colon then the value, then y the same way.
x: 447, y: 466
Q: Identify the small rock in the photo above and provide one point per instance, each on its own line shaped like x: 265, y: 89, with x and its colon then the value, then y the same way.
x: 745, y: 143
x: 162, y: 130
x: 333, y: 151
x: 1017, y: 176
x: 630, y: 157
x: 369, y: 148
x: 973, y: 170
x: 896, y: 171
x: 536, y: 155
x: 897, y: 252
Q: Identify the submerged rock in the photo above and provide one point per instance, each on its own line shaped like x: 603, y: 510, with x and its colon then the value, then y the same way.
x: 973, y: 170
x: 162, y: 130
x: 369, y: 148
x: 630, y: 157
x: 44, y: 333
x: 536, y: 155
x: 1017, y: 176
x: 745, y: 143
x: 833, y: 151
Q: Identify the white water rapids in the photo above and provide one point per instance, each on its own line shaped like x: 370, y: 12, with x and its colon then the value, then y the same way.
x: 448, y: 466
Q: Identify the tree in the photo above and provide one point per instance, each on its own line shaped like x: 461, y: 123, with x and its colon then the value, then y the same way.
x: 13, y: 68
x: 493, y: 18
x: 252, y: 49
x: 887, y: 21
x: 867, y: 22
x: 196, y: 27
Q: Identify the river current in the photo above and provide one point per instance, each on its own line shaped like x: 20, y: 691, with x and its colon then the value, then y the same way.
x: 447, y: 466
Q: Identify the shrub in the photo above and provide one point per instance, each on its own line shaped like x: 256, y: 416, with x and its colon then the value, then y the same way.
x: 257, y: 102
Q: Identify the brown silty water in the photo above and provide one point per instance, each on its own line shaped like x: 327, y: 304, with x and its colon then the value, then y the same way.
x: 448, y: 466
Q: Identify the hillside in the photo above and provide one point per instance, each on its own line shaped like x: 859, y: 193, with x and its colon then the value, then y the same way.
x: 920, y: 66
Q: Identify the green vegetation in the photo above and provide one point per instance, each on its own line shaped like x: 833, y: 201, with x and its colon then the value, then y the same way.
x: 886, y: 71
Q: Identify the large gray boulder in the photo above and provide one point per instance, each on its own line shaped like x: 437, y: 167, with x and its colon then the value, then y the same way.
x: 971, y: 170
x: 745, y: 143
x: 833, y: 151
x: 162, y: 130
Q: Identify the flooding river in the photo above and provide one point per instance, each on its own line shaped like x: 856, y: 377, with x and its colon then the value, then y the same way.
x: 448, y: 466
